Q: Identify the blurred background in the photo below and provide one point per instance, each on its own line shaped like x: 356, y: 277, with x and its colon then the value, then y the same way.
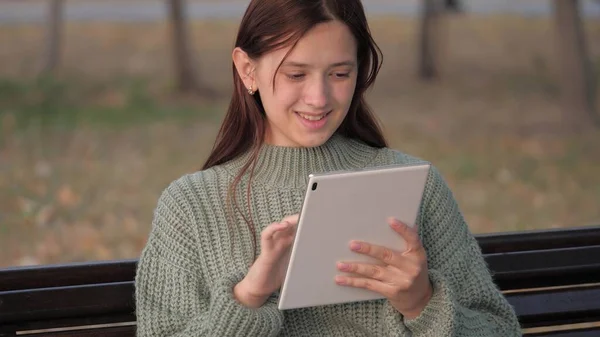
x: 105, y: 102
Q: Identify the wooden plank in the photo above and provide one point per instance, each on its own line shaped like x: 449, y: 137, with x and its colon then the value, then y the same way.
x: 545, y: 268
x: 119, y: 331
x: 557, y: 306
x: 539, y: 239
x: 588, y: 332
x: 66, y: 302
x: 61, y: 275
x: 69, y: 322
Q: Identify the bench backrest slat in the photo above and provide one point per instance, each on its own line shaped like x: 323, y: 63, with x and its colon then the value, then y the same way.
x: 539, y: 239
x: 60, y: 275
x: 69, y: 322
x: 117, y: 331
x: 545, y: 268
x: 586, y: 332
x: 557, y: 306
x: 74, y: 301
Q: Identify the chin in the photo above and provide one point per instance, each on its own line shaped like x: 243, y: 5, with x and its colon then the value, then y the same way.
x: 314, y: 140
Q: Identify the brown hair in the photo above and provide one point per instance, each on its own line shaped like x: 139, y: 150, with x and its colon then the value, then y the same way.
x: 268, y: 25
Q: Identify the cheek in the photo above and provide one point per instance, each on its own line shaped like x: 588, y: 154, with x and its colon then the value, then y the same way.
x: 286, y: 95
x: 283, y: 99
x: 343, y: 93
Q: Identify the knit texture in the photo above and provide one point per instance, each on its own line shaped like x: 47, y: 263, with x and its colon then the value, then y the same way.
x: 197, y: 251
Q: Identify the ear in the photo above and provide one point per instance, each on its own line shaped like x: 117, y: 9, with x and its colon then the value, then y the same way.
x: 245, y: 67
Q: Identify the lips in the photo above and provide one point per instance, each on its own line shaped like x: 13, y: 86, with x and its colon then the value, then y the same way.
x: 313, y: 117
x: 313, y: 122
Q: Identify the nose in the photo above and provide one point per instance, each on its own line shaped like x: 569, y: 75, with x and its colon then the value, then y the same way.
x: 316, y: 93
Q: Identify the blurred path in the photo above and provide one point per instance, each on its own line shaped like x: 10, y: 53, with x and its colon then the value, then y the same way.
x: 27, y: 11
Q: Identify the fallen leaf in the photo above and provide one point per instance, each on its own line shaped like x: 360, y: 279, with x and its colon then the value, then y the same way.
x: 42, y: 169
x: 28, y: 261
x: 130, y: 224
x: 48, y: 248
x: 102, y: 253
x: 44, y: 216
x: 26, y: 205
x: 504, y: 176
x: 66, y: 197
x: 86, y: 237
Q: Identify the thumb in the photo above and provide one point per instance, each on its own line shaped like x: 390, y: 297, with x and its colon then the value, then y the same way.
x: 292, y: 219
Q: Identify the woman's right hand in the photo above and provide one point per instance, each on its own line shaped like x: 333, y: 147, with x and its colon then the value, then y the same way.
x: 267, y: 273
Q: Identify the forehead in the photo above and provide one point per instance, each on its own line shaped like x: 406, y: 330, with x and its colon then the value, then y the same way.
x: 326, y: 44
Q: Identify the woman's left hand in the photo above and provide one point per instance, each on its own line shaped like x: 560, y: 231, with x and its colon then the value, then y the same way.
x: 402, y: 277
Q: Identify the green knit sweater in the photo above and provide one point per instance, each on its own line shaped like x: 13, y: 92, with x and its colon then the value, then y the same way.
x: 194, y: 257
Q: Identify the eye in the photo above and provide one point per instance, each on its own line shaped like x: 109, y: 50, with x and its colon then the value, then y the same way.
x: 295, y: 77
x: 341, y: 75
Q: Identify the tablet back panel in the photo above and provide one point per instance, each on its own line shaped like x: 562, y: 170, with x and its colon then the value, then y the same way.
x: 347, y: 206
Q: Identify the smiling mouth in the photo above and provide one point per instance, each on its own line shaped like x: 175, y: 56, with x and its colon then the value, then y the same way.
x: 313, y: 118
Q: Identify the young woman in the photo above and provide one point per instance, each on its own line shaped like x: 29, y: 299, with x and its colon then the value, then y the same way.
x: 215, y: 257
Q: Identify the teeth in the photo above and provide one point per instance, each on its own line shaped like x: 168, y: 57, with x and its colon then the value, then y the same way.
x: 312, y: 118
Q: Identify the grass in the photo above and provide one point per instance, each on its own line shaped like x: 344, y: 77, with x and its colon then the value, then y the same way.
x: 51, y: 102
x: 84, y: 154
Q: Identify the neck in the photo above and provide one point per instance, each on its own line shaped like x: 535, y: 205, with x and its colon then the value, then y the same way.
x: 289, y: 167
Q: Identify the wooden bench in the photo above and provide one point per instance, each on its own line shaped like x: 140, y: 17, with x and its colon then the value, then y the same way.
x: 551, y: 278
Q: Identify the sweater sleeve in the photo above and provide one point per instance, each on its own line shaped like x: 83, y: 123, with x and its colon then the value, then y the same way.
x: 465, y: 301
x: 173, y: 299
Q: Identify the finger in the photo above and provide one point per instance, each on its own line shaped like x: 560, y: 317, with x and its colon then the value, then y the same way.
x: 287, y: 230
x: 384, y: 254
x: 372, y: 271
x: 293, y: 219
x: 409, y: 234
x: 365, y: 283
x: 284, y: 228
x: 273, y: 228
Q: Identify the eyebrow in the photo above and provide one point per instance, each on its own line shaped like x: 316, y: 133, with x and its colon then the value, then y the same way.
x: 304, y: 65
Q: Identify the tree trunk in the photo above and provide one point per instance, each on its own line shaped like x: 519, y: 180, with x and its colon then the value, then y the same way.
x: 429, y: 39
x: 453, y: 5
x: 54, y: 27
x: 576, y: 74
x: 184, y: 67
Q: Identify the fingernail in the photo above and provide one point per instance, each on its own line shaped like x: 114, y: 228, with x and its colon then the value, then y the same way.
x: 355, y: 246
x: 340, y: 280
x: 343, y: 266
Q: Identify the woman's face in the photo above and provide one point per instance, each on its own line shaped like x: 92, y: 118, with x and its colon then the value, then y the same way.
x: 313, y: 87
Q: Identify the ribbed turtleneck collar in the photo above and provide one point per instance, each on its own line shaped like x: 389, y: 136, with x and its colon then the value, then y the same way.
x: 289, y: 167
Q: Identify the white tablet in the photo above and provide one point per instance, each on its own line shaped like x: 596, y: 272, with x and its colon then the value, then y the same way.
x: 340, y: 207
